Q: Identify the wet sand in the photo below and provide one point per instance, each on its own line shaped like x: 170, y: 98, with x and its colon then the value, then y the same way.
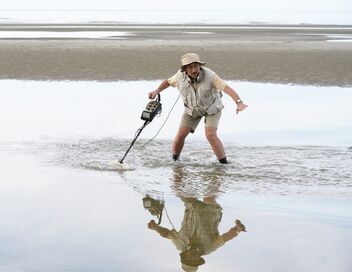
x: 293, y: 55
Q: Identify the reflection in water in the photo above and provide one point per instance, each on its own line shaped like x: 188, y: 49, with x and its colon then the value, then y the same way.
x: 154, y: 206
x: 199, y: 234
x: 186, y: 182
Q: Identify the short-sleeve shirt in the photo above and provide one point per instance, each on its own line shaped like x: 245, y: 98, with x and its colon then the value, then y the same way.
x: 217, y: 82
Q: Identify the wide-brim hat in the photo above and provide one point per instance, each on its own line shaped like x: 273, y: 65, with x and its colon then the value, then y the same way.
x: 191, y: 260
x: 188, y: 268
x: 190, y: 58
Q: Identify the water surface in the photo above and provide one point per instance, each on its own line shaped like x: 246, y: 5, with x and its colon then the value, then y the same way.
x: 65, y: 207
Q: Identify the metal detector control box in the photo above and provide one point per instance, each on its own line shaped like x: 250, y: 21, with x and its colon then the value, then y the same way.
x: 151, y: 110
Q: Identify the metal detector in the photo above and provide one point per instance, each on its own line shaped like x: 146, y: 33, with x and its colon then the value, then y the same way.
x: 151, y: 110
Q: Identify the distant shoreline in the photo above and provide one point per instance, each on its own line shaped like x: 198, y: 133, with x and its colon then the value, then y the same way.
x: 280, y: 54
x: 180, y: 15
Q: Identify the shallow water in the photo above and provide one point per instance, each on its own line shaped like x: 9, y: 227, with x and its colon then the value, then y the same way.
x: 68, y: 218
x: 64, y: 35
x: 68, y: 208
x: 299, y: 170
x: 277, y: 114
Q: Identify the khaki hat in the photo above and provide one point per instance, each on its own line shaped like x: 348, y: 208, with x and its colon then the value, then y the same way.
x: 188, y: 268
x: 191, y: 260
x: 190, y: 58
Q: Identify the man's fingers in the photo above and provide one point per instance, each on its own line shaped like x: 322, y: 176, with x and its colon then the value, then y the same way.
x: 241, y: 108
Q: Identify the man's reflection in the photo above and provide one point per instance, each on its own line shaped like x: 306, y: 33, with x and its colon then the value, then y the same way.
x: 188, y: 182
x: 199, y: 234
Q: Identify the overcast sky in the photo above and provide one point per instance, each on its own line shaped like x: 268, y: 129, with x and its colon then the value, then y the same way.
x: 267, y: 5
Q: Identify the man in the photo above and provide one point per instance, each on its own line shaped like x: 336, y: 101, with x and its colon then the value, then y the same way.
x: 201, y: 90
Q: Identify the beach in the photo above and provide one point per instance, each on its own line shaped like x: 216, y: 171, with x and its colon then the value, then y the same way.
x: 293, y: 55
x: 71, y: 97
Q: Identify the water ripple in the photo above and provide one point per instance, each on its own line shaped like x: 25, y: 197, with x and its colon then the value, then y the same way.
x: 253, y: 169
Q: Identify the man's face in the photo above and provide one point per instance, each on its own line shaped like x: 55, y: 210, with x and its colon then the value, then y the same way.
x: 193, y: 69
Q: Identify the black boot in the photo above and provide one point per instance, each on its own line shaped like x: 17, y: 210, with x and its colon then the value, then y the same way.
x: 223, y: 160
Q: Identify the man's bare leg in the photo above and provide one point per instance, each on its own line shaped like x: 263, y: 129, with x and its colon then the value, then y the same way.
x: 179, y: 141
x: 216, y: 144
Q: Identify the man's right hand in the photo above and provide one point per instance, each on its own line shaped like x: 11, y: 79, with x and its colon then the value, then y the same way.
x: 152, y: 225
x: 153, y: 94
x: 165, y: 84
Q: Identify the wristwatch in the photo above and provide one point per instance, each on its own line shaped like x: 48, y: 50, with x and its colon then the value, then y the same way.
x: 238, y: 101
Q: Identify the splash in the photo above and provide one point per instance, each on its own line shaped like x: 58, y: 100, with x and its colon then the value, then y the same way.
x: 121, y: 166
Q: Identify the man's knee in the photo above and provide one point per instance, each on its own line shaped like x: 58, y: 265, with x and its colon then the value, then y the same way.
x: 182, y: 133
x: 211, y: 134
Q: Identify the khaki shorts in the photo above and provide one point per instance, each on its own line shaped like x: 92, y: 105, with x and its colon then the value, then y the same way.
x: 211, y: 121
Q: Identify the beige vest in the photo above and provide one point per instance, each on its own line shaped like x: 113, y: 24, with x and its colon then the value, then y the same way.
x: 204, y: 99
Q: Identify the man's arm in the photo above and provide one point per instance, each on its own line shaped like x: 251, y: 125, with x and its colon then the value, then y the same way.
x: 235, y: 97
x: 161, y: 230
x: 233, y: 232
x: 164, y: 85
x: 221, y: 85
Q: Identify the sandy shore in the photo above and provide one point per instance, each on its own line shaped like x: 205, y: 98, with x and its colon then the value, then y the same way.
x: 295, y: 56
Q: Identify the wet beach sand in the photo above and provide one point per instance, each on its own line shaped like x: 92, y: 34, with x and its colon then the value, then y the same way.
x: 280, y: 54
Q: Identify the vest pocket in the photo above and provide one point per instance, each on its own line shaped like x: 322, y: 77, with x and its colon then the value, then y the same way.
x: 215, y: 107
x: 187, y: 96
x: 205, y: 98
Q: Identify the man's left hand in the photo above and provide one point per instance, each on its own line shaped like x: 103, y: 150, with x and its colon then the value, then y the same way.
x: 240, y: 107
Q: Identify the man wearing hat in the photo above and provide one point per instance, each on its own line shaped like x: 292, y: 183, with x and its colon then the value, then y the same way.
x: 201, y: 90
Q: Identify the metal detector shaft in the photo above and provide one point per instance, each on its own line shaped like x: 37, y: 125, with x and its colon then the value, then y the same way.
x: 134, y: 140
